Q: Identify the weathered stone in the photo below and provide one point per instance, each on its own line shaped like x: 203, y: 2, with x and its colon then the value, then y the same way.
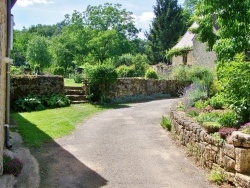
x: 229, y: 150
x: 229, y: 176
x: 242, y: 160
x: 203, y: 135
x: 229, y: 163
x: 242, y: 181
x: 240, y: 139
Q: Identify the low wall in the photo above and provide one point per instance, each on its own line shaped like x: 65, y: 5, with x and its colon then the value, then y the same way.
x: 39, y: 85
x: 233, y: 159
x: 132, y: 86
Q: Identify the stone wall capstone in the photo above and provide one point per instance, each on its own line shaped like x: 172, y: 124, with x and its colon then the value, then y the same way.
x: 233, y: 159
x: 40, y: 85
x: 135, y: 86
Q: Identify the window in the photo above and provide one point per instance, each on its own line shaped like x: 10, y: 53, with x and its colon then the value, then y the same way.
x: 184, y: 59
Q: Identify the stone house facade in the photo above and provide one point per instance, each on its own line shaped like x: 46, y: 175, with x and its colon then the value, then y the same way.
x: 198, y: 53
x: 5, y: 7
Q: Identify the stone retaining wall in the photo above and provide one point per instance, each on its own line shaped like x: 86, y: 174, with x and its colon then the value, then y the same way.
x: 39, y: 85
x: 132, y: 86
x: 233, y: 159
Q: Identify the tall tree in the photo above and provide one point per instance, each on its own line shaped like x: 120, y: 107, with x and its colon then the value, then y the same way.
x: 38, y: 54
x: 168, y: 25
x: 231, y: 19
x: 109, y: 16
x: 189, y: 5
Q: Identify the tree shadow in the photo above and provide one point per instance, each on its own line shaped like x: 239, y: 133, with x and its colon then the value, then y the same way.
x: 58, y: 167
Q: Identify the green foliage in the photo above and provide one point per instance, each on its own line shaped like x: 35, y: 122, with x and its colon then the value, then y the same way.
x: 177, y: 52
x: 168, y: 25
x: 126, y: 71
x: 216, y: 87
x: 229, y: 119
x: 217, y: 136
x: 201, y: 104
x: 208, y: 117
x: 235, y: 78
x: 232, y: 24
x: 217, y: 101
x: 59, y: 71
x: 192, y: 112
x: 12, y: 165
x: 38, y: 53
x: 15, y: 70
x: 216, y: 176
x: 78, y: 78
x: 211, y: 127
x: 36, y: 103
x: 166, y: 123
x: 182, y: 73
x: 125, y: 59
x: 100, y: 78
x: 151, y: 73
x: 190, y: 5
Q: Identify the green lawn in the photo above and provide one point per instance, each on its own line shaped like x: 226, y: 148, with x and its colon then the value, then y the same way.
x: 70, y: 82
x: 43, y: 126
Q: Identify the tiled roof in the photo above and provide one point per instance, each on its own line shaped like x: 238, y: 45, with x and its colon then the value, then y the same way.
x: 187, y: 39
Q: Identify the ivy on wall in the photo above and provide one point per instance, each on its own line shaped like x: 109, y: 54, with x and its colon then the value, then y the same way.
x: 178, y: 52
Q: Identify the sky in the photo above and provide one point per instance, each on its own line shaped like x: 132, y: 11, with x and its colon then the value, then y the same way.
x: 33, y: 12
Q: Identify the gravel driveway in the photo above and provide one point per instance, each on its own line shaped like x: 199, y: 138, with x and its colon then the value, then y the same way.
x: 119, y: 148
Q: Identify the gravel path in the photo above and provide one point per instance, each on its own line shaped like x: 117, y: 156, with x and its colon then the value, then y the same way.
x: 119, y: 148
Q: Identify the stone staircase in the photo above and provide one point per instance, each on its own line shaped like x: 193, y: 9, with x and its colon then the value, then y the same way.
x: 75, y: 94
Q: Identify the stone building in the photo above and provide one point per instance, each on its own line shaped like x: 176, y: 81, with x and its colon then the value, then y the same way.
x: 196, y: 54
x: 5, y: 20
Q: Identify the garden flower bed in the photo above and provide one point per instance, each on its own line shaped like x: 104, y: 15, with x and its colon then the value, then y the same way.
x: 230, y: 157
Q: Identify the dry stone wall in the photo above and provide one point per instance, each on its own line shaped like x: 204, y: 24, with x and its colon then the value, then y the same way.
x: 233, y: 159
x: 132, y: 86
x: 39, y: 85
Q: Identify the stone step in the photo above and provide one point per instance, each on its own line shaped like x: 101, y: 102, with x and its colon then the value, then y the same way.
x: 73, y: 87
x: 79, y: 102
x: 76, y: 97
x: 74, y: 92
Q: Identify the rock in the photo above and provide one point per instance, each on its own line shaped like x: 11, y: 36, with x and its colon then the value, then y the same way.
x: 229, y: 150
x: 242, y: 160
x: 229, y: 163
x: 242, y: 181
x: 7, y: 181
x: 241, y: 139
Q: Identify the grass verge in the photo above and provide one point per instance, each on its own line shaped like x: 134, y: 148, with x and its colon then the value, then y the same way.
x: 40, y: 127
x: 70, y: 82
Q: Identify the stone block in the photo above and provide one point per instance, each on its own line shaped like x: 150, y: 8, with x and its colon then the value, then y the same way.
x: 229, y: 164
x: 242, y: 160
x: 228, y: 150
x: 229, y: 176
x: 240, y: 139
x: 242, y: 181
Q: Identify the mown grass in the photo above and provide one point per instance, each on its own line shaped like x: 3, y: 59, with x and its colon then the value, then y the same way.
x: 70, y: 82
x: 40, y: 127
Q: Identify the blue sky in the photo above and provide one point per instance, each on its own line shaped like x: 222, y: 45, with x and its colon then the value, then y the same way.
x: 33, y: 12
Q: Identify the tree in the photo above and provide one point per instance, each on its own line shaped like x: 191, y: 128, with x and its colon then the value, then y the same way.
x: 108, y: 44
x: 231, y: 20
x: 38, y: 54
x: 168, y: 25
x: 189, y: 5
x: 108, y: 16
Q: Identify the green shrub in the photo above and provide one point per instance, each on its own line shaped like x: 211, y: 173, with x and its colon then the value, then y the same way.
x: 125, y: 71
x: 217, y: 101
x: 235, y: 79
x: 208, y: 117
x: 216, y: 87
x: 182, y: 73
x: 201, y: 104
x: 192, y: 112
x: 100, y: 78
x: 125, y: 59
x: 217, y: 136
x: 229, y: 119
x: 12, y: 165
x: 36, y: 103
x: 58, y: 71
x: 211, y: 127
x: 151, y: 73
x: 78, y: 78
x: 166, y: 123
x: 216, y: 176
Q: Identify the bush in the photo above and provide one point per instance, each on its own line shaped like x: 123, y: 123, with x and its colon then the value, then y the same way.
x: 151, y: 73
x: 211, y: 127
x: 35, y: 103
x: 192, y: 112
x: 12, y: 165
x: 216, y: 176
x: 166, y: 123
x: 235, y: 77
x: 229, y: 119
x: 215, y: 88
x: 78, y: 78
x: 201, y: 104
x: 100, y: 78
x: 125, y: 71
x: 217, y: 101
x: 224, y: 132
x: 182, y: 73
x: 58, y: 71
x: 208, y: 117
x: 217, y: 136
x: 245, y: 128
